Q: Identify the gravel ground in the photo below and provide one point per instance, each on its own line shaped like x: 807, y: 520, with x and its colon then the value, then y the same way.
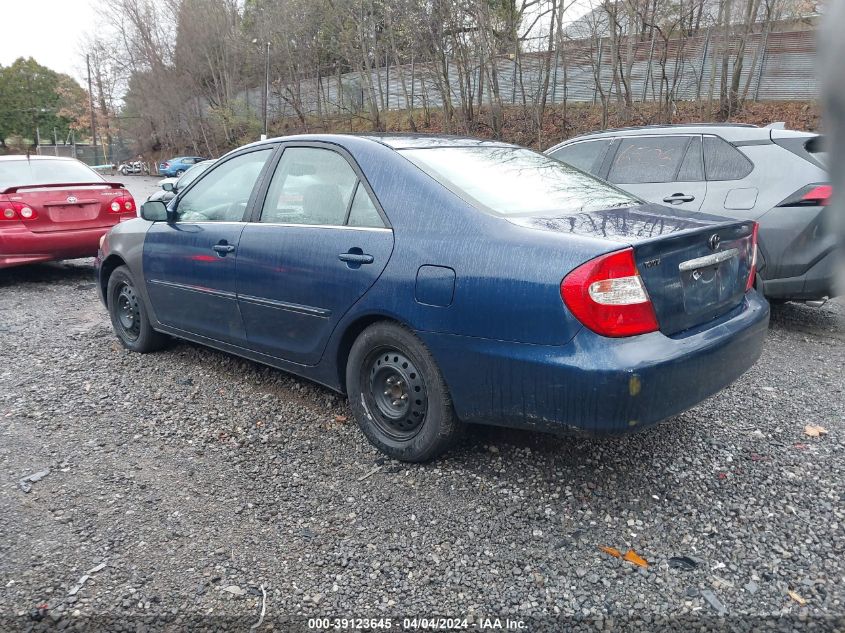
x: 141, y: 187
x: 183, y: 482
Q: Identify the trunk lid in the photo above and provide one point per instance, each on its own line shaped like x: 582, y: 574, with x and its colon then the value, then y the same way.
x: 63, y: 207
x: 695, y: 266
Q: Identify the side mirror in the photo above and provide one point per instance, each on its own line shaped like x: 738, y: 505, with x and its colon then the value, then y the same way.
x: 168, y: 186
x: 154, y: 211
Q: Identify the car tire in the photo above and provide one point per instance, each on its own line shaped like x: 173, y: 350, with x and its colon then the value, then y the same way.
x: 179, y: 172
x: 398, y: 395
x: 129, y: 317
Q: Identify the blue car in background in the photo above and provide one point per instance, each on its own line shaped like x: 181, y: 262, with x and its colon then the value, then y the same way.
x: 442, y: 281
x: 175, y: 167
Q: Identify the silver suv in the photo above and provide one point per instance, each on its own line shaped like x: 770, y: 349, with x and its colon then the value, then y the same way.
x: 771, y: 175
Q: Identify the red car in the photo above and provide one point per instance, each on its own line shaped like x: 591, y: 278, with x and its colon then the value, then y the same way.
x: 55, y: 208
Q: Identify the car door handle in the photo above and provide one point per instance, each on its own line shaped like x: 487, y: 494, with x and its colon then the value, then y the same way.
x: 222, y: 249
x: 356, y: 258
x: 677, y: 198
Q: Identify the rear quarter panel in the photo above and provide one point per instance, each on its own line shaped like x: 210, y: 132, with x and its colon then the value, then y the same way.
x: 507, y: 278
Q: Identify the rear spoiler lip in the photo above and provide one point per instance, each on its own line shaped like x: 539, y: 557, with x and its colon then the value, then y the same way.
x: 113, y: 185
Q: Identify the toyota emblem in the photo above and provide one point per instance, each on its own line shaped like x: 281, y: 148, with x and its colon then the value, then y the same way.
x: 714, y: 241
x: 71, y: 199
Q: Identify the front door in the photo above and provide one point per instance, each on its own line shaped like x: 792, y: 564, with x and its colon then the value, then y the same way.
x: 319, y: 243
x: 189, y: 263
x: 668, y: 170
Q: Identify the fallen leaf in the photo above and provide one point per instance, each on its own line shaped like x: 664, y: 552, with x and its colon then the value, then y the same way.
x: 611, y: 550
x: 340, y: 419
x: 682, y: 562
x: 814, y: 430
x: 235, y: 590
x: 797, y: 598
x: 632, y: 557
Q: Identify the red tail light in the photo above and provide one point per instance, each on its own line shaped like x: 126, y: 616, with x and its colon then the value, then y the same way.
x: 815, y: 195
x: 607, y: 295
x: 122, y: 204
x: 18, y: 211
x: 753, y: 272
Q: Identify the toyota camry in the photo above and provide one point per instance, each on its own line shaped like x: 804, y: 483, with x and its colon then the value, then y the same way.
x: 443, y: 281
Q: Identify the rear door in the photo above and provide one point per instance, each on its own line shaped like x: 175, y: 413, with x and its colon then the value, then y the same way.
x: 189, y: 264
x: 320, y: 241
x: 663, y: 169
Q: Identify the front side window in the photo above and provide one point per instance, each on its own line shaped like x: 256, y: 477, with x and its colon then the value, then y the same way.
x: 648, y: 159
x: 516, y: 181
x: 191, y: 175
x: 586, y: 155
x: 311, y: 185
x: 223, y: 195
x: 692, y: 168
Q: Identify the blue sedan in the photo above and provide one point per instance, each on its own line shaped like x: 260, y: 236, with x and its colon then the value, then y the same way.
x: 443, y: 281
x: 177, y: 166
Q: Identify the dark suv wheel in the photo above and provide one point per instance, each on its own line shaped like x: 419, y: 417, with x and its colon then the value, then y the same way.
x: 129, y: 314
x: 398, y: 395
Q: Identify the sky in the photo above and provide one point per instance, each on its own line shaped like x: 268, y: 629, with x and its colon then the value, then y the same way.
x: 48, y: 30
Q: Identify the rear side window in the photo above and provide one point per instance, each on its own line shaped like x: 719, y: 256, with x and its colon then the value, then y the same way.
x: 311, y: 186
x: 648, y: 159
x: 363, y: 212
x: 45, y: 172
x: 586, y: 155
x: 722, y: 161
x: 692, y: 168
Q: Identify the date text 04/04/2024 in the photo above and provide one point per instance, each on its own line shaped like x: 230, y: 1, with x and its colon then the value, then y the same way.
x: 429, y: 624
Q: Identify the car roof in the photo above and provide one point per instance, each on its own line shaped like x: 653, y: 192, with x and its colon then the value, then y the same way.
x: 732, y: 132
x: 395, y: 141
x: 419, y: 141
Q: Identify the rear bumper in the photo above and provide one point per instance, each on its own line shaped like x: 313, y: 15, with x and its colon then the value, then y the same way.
x: 19, y: 245
x: 819, y: 281
x: 598, y: 385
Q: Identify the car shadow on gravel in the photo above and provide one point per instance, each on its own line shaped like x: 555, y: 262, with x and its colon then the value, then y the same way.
x: 799, y: 317
x: 79, y: 271
x: 631, y: 451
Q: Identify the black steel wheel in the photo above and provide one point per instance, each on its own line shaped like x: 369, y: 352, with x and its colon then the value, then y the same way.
x: 129, y: 314
x: 398, y: 394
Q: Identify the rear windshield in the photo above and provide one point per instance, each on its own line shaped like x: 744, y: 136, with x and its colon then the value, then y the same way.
x: 516, y: 181
x: 15, y: 173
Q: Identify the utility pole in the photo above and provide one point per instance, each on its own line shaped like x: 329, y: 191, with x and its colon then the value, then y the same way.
x: 266, y: 87
x: 91, y: 103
